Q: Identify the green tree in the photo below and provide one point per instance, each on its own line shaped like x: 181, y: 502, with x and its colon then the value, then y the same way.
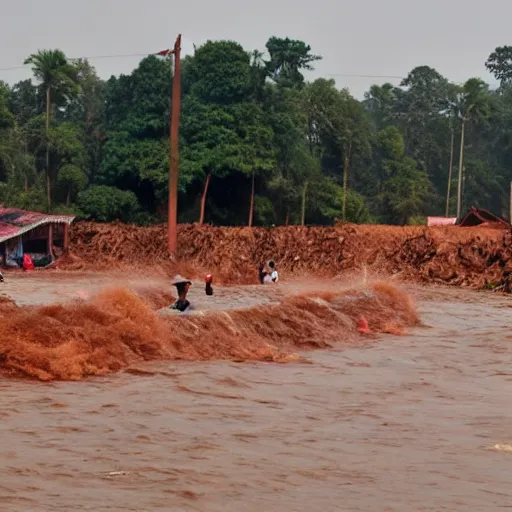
x: 221, y: 73
x: 87, y: 111
x: 73, y: 180
x: 406, y: 191
x: 135, y: 154
x: 474, y: 103
x: 26, y: 101
x: 499, y: 64
x: 106, y: 204
x: 381, y: 102
x: 293, y: 159
x: 58, y: 79
x: 255, y: 152
x: 402, y: 190
x: 6, y: 116
x: 288, y: 58
x: 424, y: 122
x: 211, y: 145
x: 340, y: 121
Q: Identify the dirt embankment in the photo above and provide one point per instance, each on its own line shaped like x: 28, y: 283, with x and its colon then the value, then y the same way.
x: 474, y: 257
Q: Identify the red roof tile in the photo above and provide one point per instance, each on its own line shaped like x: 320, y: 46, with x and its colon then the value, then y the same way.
x: 14, y: 222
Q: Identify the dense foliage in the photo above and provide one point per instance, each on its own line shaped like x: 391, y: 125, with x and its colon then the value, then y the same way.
x: 259, y: 144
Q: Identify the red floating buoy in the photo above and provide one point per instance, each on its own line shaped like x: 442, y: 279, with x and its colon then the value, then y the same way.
x: 362, y: 326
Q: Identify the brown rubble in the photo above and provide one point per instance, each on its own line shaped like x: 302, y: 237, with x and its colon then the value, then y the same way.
x: 471, y: 256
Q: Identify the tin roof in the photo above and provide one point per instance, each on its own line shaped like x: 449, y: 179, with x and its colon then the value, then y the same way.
x: 477, y: 216
x: 14, y: 222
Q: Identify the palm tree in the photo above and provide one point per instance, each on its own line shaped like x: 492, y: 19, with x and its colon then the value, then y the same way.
x: 473, y: 103
x: 452, y: 113
x: 59, y: 79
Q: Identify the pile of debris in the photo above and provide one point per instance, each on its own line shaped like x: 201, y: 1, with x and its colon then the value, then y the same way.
x: 471, y: 256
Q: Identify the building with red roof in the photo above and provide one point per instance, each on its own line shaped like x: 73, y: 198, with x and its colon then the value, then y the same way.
x: 38, y: 234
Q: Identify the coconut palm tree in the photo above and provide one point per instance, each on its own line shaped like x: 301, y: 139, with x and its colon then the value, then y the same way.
x: 59, y: 80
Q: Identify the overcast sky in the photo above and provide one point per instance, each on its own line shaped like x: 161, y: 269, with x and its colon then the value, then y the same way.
x: 355, y: 37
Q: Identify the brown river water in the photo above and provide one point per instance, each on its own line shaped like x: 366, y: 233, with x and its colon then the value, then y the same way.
x: 420, y: 422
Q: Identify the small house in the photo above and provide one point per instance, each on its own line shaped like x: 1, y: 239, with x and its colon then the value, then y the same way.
x: 43, y: 237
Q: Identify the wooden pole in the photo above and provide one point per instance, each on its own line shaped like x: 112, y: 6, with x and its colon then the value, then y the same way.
x: 50, y: 240
x: 174, y: 156
x: 66, y: 238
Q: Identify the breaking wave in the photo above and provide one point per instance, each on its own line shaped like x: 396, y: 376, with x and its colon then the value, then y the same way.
x: 119, y: 327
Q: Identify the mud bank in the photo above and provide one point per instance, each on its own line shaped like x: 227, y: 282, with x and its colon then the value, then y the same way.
x: 473, y: 257
x: 118, y: 328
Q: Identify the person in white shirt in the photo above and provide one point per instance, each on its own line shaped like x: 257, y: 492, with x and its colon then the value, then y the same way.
x: 274, y: 274
x: 268, y: 273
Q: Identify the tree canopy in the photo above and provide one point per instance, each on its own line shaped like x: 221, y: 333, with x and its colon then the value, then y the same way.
x: 259, y: 143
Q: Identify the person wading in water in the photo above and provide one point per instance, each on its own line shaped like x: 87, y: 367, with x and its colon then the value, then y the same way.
x: 261, y: 273
x: 274, y: 274
x: 269, y: 273
x: 182, y: 286
x: 208, y: 284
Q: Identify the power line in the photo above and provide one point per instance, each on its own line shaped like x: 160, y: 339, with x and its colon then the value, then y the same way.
x: 131, y: 55
x: 366, y: 76
x: 96, y: 57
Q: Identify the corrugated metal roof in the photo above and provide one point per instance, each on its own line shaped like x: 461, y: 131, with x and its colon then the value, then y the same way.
x: 14, y: 222
x: 476, y: 216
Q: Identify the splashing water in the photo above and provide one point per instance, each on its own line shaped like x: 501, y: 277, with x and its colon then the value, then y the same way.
x: 119, y: 327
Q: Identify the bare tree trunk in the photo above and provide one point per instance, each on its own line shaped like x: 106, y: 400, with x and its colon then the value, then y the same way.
x: 447, y: 212
x: 303, y: 209
x: 68, y: 197
x: 48, y: 113
x: 345, y: 180
x: 461, y: 164
x: 251, y: 203
x: 203, y: 198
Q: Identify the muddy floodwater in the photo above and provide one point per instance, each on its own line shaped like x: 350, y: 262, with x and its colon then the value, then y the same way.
x: 419, y: 422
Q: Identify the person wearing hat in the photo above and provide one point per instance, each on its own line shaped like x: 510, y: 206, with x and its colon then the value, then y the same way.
x: 182, y: 287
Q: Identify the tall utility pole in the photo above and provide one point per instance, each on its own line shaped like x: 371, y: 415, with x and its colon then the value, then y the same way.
x: 174, y: 154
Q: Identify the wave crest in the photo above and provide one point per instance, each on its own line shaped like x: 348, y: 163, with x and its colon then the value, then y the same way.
x: 119, y: 327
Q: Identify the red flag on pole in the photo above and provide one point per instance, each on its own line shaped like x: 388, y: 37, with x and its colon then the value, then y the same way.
x: 164, y: 53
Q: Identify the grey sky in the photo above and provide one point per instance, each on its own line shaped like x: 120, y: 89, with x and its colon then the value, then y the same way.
x: 366, y: 37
